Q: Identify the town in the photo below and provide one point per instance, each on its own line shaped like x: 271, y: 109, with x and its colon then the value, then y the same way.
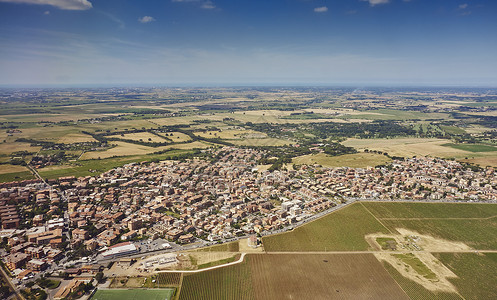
x: 200, y: 200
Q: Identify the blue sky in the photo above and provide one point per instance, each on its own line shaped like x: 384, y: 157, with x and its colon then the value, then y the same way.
x: 245, y: 42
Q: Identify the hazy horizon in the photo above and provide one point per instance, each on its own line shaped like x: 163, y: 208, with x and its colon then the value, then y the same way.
x: 248, y: 43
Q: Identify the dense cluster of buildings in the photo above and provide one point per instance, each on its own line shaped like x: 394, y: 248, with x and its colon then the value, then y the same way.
x: 214, y: 199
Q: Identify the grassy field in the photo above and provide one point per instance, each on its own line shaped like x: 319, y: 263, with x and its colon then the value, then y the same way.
x: 176, y: 137
x: 407, y: 147
x: 400, y: 210
x: 262, y: 142
x: 8, y: 148
x: 341, y: 230
x: 295, y: 276
x: 16, y: 176
x: 473, y: 224
x: 357, y: 160
x: 140, y: 136
x: 226, y: 247
x: 127, y: 149
x: 322, y: 276
x: 233, y: 282
x: 93, y: 167
x: 416, y: 291
x: 134, y: 294
x: 476, y: 273
x: 472, y: 147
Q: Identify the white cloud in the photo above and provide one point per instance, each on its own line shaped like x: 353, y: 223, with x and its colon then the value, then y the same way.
x: 205, y: 4
x: 208, y: 5
x: 62, y: 4
x: 146, y: 19
x: 463, y: 6
x: 321, y: 9
x: 47, y: 12
x: 376, y: 2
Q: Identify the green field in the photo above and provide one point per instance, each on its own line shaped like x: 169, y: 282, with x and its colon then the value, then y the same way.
x: 134, y: 294
x: 472, y: 147
x: 473, y: 224
x: 416, y: 291
x: 95, y: 166
x: 342, y: 230
x: 232, y: 282
x: 476, y: 273
x: 356, y: 160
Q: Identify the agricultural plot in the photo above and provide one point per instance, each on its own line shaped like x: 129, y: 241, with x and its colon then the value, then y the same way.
x: 321, y: 276
x: 341, y: 230
x: 476, y: 273
x: 176, y: 137
x: 141, y: 137
x: 262, y: 142
x: 8, y: 148
x: 295, y: 276
x: 95, y: 166
x: 484, y: 161
x: 14, y: 173
x: 399, y: 210
x: 472, y: 224
x: 416, y: 291
x: 134, y: 294
x: 408, y: 147
x: 233, y: 282
x: 472, y: 147
x: 357, y: 160
x: 126, y: 149
x: 226, y: 247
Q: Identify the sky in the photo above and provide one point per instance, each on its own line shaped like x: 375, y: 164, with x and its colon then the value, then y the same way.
x: 248, y: 42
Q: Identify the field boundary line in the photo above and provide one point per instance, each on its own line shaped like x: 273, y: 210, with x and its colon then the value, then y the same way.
x: 472, y: 218
x: 179, y: 287
x: 376, y: 218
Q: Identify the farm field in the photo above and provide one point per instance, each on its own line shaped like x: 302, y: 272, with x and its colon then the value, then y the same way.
x: 262, y: 142
x: 141, y: 136
x: 176, y: 137
x: 472, y: 147
x: 408, y: 147
x: 288, y: 276
x: 416, y: 291
x: 133, y: 294
x: 92, y: 167
x: 233, y: 282
x: 339, y: 231
x: 127, y: 149
x: 476, y: 273
x: 356, y: 160
x: 472, y: 224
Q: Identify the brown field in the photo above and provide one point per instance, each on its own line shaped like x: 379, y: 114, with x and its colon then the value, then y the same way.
x: 408, y: 147
x: 7, y: 148
x: 262, y: 142
x: 232, y: 134
x: 75, y: 138
x: 296, y: 276
x: 483, y: 161
x: 143, y: 136
x: 125, y: 149
x: 357, y: 160
x: 5, y: 169
x: 322, y: 276
x: 177, y: 137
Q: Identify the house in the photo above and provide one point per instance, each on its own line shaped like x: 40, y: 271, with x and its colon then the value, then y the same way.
x: 187, y: 238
